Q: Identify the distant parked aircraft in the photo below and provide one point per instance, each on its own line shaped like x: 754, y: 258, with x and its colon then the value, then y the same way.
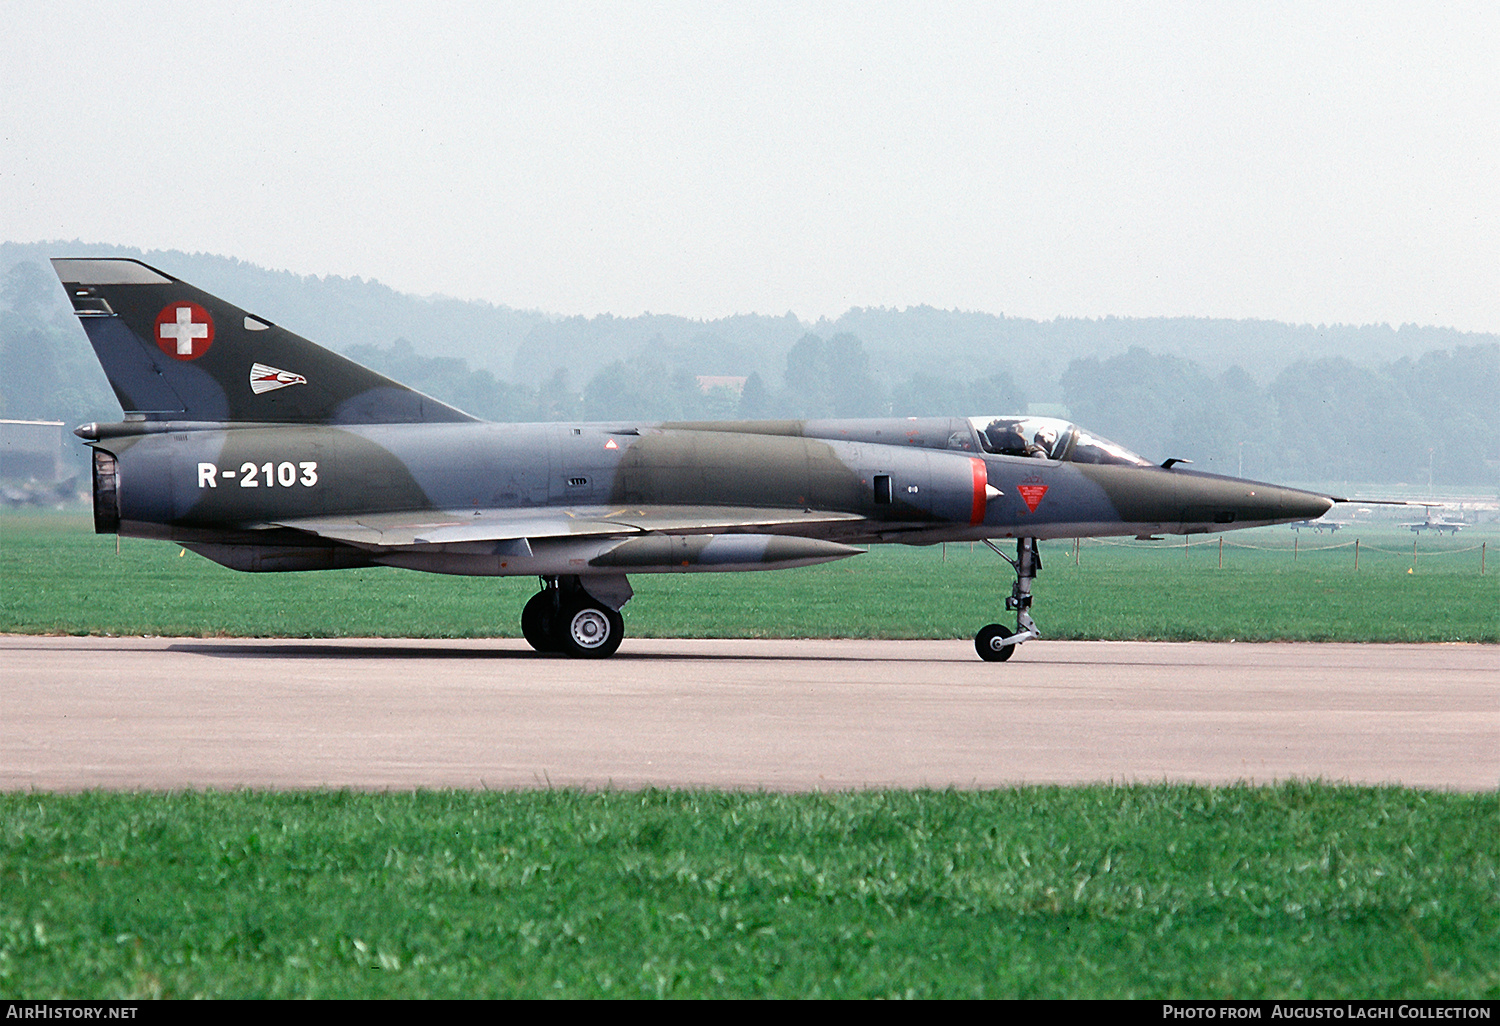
x: 1320, y: 525
x: 1439, y: 525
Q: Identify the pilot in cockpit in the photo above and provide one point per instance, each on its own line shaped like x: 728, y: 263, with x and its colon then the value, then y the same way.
x: 1005, y: 437
x: 1041, y: 444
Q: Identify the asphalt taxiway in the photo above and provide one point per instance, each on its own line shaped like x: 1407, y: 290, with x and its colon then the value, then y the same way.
x: 169, y: 713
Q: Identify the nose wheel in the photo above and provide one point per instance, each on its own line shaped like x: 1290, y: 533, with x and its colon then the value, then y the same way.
x: 993, y: 643
x: 997, y: 643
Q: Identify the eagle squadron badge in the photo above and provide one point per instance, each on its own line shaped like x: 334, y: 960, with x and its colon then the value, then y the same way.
x: 268, y: 379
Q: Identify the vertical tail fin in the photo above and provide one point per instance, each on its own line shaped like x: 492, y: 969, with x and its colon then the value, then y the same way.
x: 174, y: 352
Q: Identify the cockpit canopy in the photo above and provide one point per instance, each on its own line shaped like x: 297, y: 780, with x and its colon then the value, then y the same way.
x: 1049, y: 438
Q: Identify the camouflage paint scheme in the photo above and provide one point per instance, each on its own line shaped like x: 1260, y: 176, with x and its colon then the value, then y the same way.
x: 264, y: 452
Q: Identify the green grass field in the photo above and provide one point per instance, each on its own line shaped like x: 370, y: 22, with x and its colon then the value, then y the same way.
x: 1299, y: 890
x: 56, y: 576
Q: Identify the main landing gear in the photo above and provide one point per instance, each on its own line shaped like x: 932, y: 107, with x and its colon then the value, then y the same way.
x: 564, y: 617
x: 997, y: 643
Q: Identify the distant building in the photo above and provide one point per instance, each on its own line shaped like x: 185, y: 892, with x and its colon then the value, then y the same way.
x: 708, y: 382
x: 32, y: 450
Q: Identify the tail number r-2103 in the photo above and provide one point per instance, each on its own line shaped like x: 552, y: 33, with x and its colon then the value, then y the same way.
x: 270, y: 474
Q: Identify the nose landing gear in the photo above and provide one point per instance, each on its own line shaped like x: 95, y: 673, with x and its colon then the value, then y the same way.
x: 996, y: 643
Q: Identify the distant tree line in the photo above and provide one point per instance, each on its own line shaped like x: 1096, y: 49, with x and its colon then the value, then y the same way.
x: 1322, y: 419
x: 822, y: 378
x: 1325, y: 420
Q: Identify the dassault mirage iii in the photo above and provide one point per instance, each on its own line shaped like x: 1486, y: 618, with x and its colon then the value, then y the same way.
x: 261, y: 451
x: 1439, y: 525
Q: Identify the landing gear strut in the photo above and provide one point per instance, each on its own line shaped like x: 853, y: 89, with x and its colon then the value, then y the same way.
x: 564, y: 617
x: 996, y: 643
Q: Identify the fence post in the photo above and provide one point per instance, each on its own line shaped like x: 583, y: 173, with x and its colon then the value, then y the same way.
x: 1356, y: 555
x: 1481, y: 557
x: 1295, y: 542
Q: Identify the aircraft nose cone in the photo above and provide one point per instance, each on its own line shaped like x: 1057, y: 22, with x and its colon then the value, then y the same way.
x: 1306, y: 505
x: 1211, y: 500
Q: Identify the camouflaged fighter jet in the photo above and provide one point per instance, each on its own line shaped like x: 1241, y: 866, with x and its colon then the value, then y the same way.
x: 263, y: 452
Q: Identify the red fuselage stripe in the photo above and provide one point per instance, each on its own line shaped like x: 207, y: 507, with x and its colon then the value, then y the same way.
x: 981, y: 481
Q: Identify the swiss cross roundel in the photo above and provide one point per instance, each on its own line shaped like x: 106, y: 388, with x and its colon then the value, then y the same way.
x: 184, y: 331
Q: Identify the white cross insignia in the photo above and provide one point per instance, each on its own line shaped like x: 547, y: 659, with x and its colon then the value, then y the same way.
x: 184, y: 331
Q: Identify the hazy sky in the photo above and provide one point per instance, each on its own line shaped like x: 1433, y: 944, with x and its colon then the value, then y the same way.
x: 1305, y: 162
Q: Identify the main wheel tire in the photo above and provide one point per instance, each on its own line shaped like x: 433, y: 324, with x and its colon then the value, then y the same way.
x: 590, y: 631
x: 985, y: 643
x: 539, y: 622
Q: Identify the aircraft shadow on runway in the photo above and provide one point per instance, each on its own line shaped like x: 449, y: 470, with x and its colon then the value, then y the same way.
x: 317, y: 649
x: 320, y: 650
